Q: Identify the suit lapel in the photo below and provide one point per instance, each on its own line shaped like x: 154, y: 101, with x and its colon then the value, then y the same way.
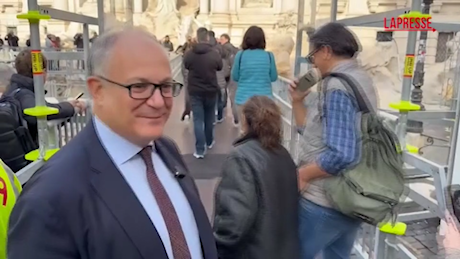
x: 191, y: 192
x: 121, y: 200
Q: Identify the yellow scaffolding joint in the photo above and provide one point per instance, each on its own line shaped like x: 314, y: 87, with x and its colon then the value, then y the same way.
x: 41, y: 111
x: 398, y: 229
x: 405, y: 106
x: 33, y: 16
x: 35, y: 154
x: 412, y: 149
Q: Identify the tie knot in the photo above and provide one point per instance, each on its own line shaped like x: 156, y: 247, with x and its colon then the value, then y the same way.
x: 146, y: 154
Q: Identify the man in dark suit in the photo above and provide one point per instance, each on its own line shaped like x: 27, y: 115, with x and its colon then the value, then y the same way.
x: 119, y: 189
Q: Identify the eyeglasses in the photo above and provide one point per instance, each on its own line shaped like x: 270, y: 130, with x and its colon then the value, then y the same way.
x: 144, y: 90
x: 311, y: 56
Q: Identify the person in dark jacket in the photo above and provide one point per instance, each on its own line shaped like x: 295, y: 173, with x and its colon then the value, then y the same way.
x: 202, y: 63
x: 256, y: 202
x: 188, y: 107
x: 231, y: 51
x: 12, y: 39
x: 167, y: 44
x: 22, y: 87
x: 78, y: 41
x: 222, y: 94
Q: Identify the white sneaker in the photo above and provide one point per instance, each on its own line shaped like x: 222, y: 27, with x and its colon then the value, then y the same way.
x: 212, y: 144
x: 198, y: 156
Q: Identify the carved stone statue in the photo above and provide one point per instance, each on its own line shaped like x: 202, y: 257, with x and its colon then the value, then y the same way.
x: 165, y: 7
x: 282, y: 47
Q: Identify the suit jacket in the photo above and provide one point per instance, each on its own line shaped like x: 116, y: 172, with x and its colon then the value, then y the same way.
x: 78, y: 205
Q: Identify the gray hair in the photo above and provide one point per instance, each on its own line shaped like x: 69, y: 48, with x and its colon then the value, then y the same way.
x: 102, y: 47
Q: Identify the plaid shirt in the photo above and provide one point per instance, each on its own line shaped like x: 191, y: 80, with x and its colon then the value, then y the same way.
x: 340, y: 133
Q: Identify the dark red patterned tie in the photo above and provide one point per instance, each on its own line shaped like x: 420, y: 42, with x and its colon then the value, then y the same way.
x: 176, y: 235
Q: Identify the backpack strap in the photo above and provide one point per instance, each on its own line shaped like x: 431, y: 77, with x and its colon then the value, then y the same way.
x: 239, y: 61
x: 351, y: 84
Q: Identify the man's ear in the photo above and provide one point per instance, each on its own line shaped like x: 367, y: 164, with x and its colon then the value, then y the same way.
x: 94, y: 87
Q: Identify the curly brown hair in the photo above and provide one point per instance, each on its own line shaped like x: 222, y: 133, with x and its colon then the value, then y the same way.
x: 263, y: 119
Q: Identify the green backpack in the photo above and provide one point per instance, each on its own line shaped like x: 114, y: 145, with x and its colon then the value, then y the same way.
x: 372, y: 189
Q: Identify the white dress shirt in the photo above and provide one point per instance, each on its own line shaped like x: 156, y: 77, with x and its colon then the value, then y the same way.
x: 124, y: 155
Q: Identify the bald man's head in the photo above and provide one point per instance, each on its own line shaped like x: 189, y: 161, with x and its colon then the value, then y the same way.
x: 104, y: 46
x: 131, y: 84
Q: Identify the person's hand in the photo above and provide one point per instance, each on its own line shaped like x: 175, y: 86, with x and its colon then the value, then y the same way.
x: 451, y: 239
x: 82, y: 105
x: 79, y: 105
x: 297, y: 96
x: 302, y: 185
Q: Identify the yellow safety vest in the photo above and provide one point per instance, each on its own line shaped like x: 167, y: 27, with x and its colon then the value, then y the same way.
x: 10, y: 187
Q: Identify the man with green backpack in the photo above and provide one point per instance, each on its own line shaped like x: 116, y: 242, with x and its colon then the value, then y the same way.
x: 350, y: 165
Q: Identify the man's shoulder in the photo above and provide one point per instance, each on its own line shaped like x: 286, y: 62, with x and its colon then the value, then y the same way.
x: 171, y: 145
x: 65, y: 171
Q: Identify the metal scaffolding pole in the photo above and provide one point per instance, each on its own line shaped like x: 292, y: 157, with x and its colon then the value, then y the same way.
x: 454, y: 154
x: 86, y: 50
x: 298, y: 55
x: 101, y: 16
x: 334, y: 4
x: 419, y: 75
x: 407, y: 81
x: 39, y: 80
x: 299, y: 37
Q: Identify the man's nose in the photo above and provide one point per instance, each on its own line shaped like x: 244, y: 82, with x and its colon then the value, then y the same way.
x: 156, y: 100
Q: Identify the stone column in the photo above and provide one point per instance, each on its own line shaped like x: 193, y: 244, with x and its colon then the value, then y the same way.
x: 357, y: 7
x: 289, y: 5
x: 138, y: 6
x: 219, y: 6
x: 24, y: 6
x: 232, y: 6
x: 204, y: 7
x: 61, y: 5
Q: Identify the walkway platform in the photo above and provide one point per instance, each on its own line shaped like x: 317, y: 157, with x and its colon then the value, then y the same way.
x: 205, y: 171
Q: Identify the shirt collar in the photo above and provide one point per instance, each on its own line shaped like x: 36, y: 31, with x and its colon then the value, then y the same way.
x: 118, y: 148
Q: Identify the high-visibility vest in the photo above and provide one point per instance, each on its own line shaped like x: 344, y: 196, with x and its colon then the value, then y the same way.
x: 10, y: 187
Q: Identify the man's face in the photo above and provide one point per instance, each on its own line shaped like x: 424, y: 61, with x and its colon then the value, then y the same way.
x: 166, y: 39
x: 139, y: 121
x: 321, y: 58
x: 223, y: 40
x: 189, y: 38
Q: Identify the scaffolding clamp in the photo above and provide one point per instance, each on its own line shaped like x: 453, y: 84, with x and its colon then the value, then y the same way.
x: 41, y: 111
x: 404, y: 106
x: 398, y: 229
x: 33, y: 16
x: 35, y: 154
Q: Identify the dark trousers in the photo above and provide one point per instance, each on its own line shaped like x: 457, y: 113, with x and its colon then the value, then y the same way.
x: 203, y: 109
x: 221, y: 102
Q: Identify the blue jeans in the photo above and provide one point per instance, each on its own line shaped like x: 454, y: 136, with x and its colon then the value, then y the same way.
x: 325, y: 230
x: 203, y: 109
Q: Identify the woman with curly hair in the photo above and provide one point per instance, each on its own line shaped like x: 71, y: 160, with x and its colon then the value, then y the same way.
x: 256, y: 202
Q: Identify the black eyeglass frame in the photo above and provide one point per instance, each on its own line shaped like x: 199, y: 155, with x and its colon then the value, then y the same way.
x: 310, y: 57
x: 176, y: 87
